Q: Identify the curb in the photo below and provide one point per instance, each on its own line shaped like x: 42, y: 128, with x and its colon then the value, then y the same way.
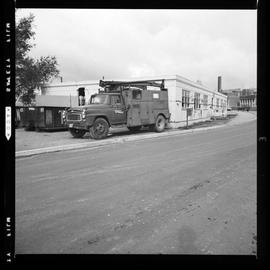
x: 95, y: 144
x: 108, y: 141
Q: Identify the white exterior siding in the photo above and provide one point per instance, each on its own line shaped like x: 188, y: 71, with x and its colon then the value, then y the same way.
x: 175, y: 84
x: 70, y: 89
x: 179, y: 113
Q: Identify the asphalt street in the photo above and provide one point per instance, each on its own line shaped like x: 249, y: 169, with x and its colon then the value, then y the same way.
x: 185, y: 194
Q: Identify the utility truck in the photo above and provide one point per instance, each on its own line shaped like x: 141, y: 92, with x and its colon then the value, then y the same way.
x: 121, y: 104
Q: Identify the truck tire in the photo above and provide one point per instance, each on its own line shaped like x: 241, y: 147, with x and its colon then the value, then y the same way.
x: 100, y: 129
x: 137, y: 128
x: 160, y: 123
x: 77, y: 133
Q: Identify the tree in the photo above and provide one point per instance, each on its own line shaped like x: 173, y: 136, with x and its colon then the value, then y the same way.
x: 31, y: 74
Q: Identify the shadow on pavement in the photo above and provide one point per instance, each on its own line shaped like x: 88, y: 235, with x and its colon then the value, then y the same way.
x: 116, y: 133
x: 124, y: 132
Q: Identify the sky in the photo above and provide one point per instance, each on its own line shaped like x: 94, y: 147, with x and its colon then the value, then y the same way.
x: 196, y: 44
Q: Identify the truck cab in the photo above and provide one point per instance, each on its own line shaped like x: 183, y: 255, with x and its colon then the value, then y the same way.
x: 109, y: 105
x: 121, y: 105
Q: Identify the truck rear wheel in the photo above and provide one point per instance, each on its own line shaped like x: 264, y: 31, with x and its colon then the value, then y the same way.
x: 100, y: 129
x: 160, y: 123
x: 77, y: 133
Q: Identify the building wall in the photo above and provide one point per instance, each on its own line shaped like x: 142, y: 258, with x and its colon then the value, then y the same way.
x: 175, y: 84
x: 232, y: 92
x: 233, y: 101
x: 203, y: 113
x: 240, y: 98
x: 70, y: 89
x: 248, y: 101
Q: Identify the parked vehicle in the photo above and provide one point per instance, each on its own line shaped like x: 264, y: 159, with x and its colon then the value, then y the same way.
x: 244, y: 108
x: 120, y: 104
x: 45, y: 113
x: 42, y: 118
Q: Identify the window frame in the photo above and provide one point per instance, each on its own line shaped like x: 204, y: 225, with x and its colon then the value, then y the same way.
x: 185, y: 98
x: 111, y: 98
x: 197, y: 104
x: 205, y: 101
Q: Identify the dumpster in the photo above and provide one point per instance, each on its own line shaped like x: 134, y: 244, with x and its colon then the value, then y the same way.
x: 42, y: 118
x: 45, y: 114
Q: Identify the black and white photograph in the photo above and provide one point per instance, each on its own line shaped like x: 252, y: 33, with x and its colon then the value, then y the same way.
x: 135, y: 131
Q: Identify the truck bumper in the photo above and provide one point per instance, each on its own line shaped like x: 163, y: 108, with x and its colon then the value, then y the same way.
x: 77, y: 125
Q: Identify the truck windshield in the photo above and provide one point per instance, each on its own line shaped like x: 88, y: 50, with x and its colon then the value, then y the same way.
x: 99, y: 99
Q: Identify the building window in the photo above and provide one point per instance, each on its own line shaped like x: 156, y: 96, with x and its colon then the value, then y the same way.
x: 224, y: 104
x: 205, y: 101
x: 196, y: 101
x: 217, y: 102
x: 185, y: 99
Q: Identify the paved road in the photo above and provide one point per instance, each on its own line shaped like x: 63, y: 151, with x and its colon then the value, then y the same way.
x: 187, y: 194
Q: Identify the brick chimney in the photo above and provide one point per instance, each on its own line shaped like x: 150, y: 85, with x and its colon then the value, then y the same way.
x: 219, y: 83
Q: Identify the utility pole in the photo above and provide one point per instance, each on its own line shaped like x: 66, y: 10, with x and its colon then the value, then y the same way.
x: 189, y: 112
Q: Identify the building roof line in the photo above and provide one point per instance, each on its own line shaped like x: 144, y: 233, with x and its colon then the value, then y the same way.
x: 165, y: 77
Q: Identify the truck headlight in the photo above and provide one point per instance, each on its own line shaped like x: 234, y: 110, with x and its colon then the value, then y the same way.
x: 83, y: 114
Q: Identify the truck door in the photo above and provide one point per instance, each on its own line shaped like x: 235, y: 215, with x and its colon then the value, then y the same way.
x: 146, y: 114
x: 119, y: 112
x: 134, y: 101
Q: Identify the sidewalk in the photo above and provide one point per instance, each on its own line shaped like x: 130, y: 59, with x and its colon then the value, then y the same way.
x: 243, y: 117
x: 31, y: 142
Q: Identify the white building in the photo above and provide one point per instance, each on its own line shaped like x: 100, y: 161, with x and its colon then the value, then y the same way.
x: 183, y: 94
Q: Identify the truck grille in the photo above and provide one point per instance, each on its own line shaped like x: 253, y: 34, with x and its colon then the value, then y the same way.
x: 74, y: 117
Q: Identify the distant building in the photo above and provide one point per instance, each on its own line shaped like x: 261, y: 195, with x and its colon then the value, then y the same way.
x: 248, y: 99
x: 232, y: 92
x: 241, y: 98
x: 233, y: 97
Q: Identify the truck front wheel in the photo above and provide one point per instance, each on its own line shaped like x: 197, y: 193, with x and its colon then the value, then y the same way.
x: 160, y: 123
x: 77, y: 133
x: 100, y: 129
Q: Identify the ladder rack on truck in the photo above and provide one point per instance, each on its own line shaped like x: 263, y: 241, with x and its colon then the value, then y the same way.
x: 117, y: 86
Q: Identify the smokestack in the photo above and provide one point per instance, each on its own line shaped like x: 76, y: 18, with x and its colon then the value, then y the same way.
x: 219, y: 83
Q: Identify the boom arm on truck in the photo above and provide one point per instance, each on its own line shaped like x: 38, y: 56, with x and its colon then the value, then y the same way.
x: 117, y: 86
